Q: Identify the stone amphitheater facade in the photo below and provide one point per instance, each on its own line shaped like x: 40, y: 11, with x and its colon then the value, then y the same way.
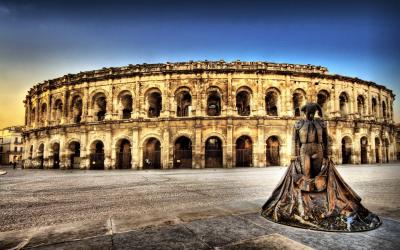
x: 200, y: 114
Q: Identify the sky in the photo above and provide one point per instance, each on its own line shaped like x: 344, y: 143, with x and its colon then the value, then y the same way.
x: 41, y: 40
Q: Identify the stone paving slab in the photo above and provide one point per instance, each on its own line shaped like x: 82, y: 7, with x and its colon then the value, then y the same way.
x: 271, y: 241
x: 386, y: 236
x: 221, y: 232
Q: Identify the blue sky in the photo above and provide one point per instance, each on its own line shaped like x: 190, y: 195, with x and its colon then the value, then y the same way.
x: 41, y: 40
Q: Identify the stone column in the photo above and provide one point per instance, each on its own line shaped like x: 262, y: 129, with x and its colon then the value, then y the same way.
x: 167, y: 162
x: 230, y: 97
x: 198, y: 161
x: 135, y: 148
x: 110, y: 100
x: 85, y: 105
x: 108, y: 148
x: 37, y: 112
x: 261, y: 148
x: 85, y: 151
x: 229, y: 144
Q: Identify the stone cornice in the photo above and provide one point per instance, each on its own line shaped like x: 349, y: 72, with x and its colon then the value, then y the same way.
x: 168, y: 119
x: 196, y: 67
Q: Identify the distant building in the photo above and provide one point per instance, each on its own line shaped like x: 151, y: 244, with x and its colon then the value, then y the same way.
x: 11, y: 145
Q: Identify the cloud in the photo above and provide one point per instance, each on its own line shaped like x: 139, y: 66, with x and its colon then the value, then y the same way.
x: 4, y: 10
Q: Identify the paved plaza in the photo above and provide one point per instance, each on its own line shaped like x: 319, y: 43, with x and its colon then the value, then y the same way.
x: 191, y: 209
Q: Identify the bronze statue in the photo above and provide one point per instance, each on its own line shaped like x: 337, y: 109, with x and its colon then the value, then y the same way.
x: 312, y: 194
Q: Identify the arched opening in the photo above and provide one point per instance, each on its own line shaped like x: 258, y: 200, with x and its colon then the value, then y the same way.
x: 41, y: 155
x: 374, y: 106
x: 100, y: 106
x: 76, y: 109
x: 364, y: 150
x: 30, y: 153
x: 124, y: 156
x: 273, y: 148
x: 386, y: 150
x: 154, y: 100
x: 377, y: 150
x: 75, y: 154
x: 323, y: 100
x: 343, y: 104
x: 97, y: 155
x: 56, y: 155
x: 361, y: 105
x: 384, y: 109
x: 32, y: 117
x: 183, y: 103
x: 152, y: 154
x: 57, y: 112
x: 271, y: 103
x: 183, y: 153
x: 213, y: 153
x: 346, y: 150
x: 244, y: 152
x: 243, y: 102
x: 213, y: 103
x: 126, y: 104
x: 299, y: 100
x: 43, y: 113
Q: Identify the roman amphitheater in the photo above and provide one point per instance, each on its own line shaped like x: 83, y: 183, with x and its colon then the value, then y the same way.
x: 199, y: 115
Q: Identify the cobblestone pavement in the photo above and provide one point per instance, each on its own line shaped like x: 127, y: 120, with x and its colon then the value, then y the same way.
x: 88, y: 199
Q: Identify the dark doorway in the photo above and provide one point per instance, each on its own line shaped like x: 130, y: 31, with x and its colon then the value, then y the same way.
x: 213, y: 103
x: 183, y: 101
x: 346, y: 150
x: 126, y: 102
x: 124, y: 156
x: 271, y: 103
x: 273, y: 148
x: 41, y: 155
x: 213, y: 154
x: 387, y: 143
x: 56, y: 155
x: 155, y: 104
x: 298, y: 99
x: 243, y: 103
x: 244, y: 152
x: 75, y: 154
x: 152, y: 154
x: 364, y: 150
x: 183, y: 153
x: 377, y: 150
x: 97, y: 155
x: 76, y: 109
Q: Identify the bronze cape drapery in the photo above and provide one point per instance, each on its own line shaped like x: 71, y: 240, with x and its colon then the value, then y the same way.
x: 330, y: 205
x: 312, y: 194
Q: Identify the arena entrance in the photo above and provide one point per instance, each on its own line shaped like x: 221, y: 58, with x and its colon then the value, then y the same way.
x: 346, y: 150
x: 386, y: 150
x: 41, y: 155
x: 244, y: 152
x: 377, y: 150
x: 364, y: 150
x: 56, y: 155
x: 152, y: 154
x: 75, y: 154
x: 97, y: 155
x: 124, y: 156
x: 213, y: 154
x: 183, y: 153
x: 273, y: 148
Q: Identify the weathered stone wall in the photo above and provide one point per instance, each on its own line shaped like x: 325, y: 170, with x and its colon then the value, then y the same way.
x: 51, y: 111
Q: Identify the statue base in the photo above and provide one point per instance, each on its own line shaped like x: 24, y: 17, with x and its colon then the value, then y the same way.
x: 324, y: 202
